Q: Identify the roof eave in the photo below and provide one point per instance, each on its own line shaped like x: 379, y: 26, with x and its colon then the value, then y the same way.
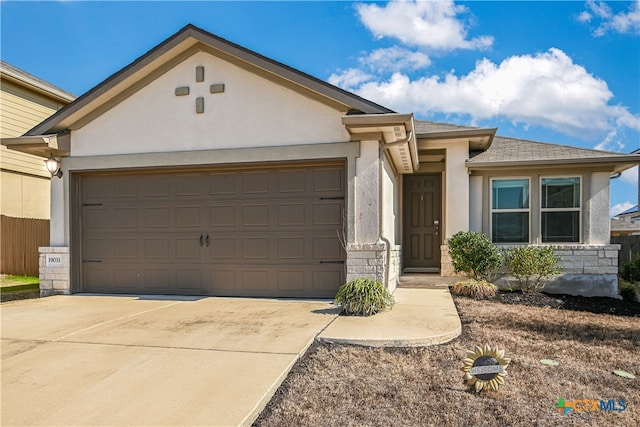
x: 41, y: 87
x: 41, y: 145
x: 618, y: 163
x: 485, y: 136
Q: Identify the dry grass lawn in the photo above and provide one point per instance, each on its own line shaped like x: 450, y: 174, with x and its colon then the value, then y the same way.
x: 338, y: 385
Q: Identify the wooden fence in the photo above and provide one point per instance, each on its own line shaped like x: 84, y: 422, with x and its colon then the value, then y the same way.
x: 20, y: 239
x: 629, y: 247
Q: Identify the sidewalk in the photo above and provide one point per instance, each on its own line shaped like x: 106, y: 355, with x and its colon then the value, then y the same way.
x: 420, y: 317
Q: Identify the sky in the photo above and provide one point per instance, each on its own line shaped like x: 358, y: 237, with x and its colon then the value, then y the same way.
x: 565, y: 72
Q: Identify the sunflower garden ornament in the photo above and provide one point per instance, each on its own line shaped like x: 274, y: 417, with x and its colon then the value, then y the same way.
x: 485, y: 368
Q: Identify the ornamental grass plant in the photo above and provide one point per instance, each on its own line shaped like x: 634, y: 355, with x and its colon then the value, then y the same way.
x: 363, y: 297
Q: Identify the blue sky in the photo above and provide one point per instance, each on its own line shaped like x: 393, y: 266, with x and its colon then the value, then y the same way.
x: 563, y: 72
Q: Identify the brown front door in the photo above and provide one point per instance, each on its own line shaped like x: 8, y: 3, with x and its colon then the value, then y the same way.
x: 422, y: 223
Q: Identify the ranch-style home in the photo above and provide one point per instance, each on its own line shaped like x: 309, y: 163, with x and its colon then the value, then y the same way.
x: 204, y: 168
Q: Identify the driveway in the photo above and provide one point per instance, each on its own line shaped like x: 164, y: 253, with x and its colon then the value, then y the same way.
x: 129, y: 360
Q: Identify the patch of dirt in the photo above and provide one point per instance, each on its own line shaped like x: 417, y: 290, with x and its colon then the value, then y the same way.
x: 12, y: 296
x: 352, y: 386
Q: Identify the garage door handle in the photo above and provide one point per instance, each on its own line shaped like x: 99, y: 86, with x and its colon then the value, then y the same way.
x: 201, y: 240
x: 91, y: 260
x: 206, y: 240
x: 332, y: 262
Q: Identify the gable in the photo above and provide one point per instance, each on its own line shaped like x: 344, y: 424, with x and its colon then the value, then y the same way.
x: 251, y: 111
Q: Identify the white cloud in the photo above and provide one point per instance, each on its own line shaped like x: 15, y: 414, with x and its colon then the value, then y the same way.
x: 428, y: 24
x: 611, y: 142
x: 395, y: 59
x: 350, y: 78
x: 630, y: 175
x: 625, y: 22
x: 547, y: 89
x: 620, y: 207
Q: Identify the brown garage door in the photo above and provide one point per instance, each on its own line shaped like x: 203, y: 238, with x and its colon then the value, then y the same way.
x: 259, y: 231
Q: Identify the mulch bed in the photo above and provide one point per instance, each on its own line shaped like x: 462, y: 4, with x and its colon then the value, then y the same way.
x: 600, y: 305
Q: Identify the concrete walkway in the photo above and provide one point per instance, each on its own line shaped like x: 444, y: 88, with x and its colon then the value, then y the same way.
x: 420, y: 317
x: 153, y: 360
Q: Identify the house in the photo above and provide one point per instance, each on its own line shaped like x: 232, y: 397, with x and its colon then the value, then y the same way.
x: 206, y: 168
x: 25, y: 101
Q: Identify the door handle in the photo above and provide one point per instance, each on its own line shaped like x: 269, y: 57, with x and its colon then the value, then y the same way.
x: 201, y: 240
x: 436, y: 222
x: 206, y: 240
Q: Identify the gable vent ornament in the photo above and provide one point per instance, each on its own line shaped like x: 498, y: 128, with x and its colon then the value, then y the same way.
x: 485, y: 368
x: 186, y: 90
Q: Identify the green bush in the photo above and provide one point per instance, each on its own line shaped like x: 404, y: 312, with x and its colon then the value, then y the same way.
x: 631, y: 270
x: 532, y: 266
x: 363, y: 297
x: 629, y: 291
x: 475, y: 288
x: 474, y: 255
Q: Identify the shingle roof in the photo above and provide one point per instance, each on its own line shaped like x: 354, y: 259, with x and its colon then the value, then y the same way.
x: 513, y: 150
x: 424, y: 126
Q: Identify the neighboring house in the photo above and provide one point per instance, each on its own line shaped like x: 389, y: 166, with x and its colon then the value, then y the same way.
x: 25, y: 101
x: 206, y: 168
x: 25, y: 189
x: 620, y: 227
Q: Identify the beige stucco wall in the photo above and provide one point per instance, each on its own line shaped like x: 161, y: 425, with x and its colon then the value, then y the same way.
x: 598, y: 206
x: 252, y: 112
x: 24, y: 196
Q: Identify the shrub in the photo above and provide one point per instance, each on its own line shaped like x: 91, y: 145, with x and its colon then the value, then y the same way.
x: 475, y: 288
x: 532, y: 266
x: 629, y: 291
x: 363, y: 297
x: 631, y: 270
x: 473, y: 254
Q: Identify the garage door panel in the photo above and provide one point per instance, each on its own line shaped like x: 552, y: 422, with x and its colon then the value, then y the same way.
x: 222, y: 216
x: 272, y: 231
x: 328, y: 213
x: 96, y: 218
x: 292, y: 181
x: 255, y: 215
x: 188, y: 216
x: 257, y: 182
x: 328, y: 179
x: 255, y: 248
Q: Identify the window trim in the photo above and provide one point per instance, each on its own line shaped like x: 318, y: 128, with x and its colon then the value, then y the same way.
x: 573, y: 209
x: 492, y: 210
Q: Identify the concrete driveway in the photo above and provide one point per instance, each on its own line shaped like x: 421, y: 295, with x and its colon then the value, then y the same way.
x: 128, y: 360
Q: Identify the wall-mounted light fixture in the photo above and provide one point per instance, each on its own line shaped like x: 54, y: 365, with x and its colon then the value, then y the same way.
x: 53, y: 166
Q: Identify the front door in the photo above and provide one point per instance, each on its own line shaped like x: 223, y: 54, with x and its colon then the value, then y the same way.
x: 421, y: 223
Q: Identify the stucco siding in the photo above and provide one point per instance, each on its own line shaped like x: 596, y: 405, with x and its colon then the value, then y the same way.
x: 251, y: 112
x: 24, y: 196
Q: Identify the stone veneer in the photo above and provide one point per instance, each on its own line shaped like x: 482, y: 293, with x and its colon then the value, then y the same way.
x: 54, y: 271
x: 369, y: 259
x: 587, y: 270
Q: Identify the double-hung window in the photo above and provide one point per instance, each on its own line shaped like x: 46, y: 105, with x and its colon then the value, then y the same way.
x: 560, y: 209
x: 510, y: 210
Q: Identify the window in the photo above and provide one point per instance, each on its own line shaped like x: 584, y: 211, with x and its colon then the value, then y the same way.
x: 510, y: 210
x: 560, y: 209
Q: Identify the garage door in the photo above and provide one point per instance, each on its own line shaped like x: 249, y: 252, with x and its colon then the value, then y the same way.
x: 257, y: 231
